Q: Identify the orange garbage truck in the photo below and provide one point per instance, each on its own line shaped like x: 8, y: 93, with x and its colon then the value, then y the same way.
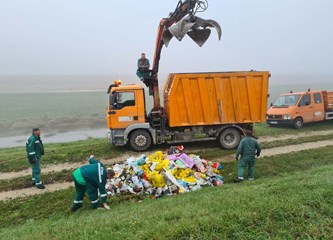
x: 197, y: 107
x: 295, y: 109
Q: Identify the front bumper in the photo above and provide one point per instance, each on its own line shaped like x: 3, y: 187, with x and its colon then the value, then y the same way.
x: 274, y: 122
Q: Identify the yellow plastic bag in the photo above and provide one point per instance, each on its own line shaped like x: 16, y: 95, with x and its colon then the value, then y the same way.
x: 181, y: 173
x: 157, y: 180
x: 156, y: 157
x: 190, y: 179
x: 146, y: 168
x: 164, y: 164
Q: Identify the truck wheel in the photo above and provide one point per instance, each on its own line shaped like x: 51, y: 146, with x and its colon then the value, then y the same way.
x: 229, y: 138
x: 298, y: 123
x: 140, y: 140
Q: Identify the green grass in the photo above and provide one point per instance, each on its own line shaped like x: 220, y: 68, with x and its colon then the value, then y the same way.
x: 263, y: 129
x: 291, y: 198
x: 210, y: 154
x: 80, y: 150
x: 63, y: 152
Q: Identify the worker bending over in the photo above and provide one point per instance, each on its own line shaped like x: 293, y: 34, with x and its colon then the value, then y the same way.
x: 248, y: 149
x: 143, y: 71
x: 35, y: 150
x: 90, y: 178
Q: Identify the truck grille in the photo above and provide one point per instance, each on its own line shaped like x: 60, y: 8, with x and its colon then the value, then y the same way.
x: 274, y: 116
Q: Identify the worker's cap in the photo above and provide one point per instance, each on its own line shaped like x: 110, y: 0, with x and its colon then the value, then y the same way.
x: 35, y: 129
x: 110, y: 172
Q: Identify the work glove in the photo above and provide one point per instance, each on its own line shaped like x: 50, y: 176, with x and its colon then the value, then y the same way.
x: 33, y: 159
x: 106, y: 206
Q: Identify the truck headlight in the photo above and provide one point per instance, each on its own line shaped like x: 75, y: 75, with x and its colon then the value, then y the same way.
x: 286, y: 117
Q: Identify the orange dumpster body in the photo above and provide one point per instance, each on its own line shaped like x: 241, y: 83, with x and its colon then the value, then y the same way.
x: 200, y: 99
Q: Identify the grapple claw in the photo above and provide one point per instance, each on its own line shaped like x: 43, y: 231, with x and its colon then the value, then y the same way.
x: 180, y: 30
x: 167, y: 36
x: 209, y: 23
x: 199, y: 36
x: 197, y: 29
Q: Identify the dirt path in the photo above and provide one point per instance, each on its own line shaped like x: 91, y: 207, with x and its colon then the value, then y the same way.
x: 26, y: 192
x: 295, y: 136
x: 58, y: 168
x: 285, y: 149
x: 263, y: 139
x: 59, y: 186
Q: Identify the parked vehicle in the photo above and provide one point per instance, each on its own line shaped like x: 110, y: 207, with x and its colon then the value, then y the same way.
x: 295, y: 109
x: 197, y: 107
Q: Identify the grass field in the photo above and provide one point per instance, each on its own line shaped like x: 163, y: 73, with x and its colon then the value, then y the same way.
x: 65, y: 175
x: 13, y: 159
x: 262, y: 129
x: 291, y: 199
x: 51, y: 111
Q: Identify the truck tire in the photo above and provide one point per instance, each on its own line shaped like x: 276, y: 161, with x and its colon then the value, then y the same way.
x: 298, y: 123
x: 229, y: 138
x: 140, y: 140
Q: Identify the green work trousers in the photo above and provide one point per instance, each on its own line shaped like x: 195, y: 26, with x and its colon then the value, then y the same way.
x: 243, y: 162
x: 143, y: 74
x: 80, y: 192
x: 36, y: 173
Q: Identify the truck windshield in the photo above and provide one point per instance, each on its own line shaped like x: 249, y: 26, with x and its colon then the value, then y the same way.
x: 287, y: 100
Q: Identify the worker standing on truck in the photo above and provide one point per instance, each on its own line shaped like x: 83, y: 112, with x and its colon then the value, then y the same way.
x: 35, y: 150
x: 143, y: 71
x: 91, y: 178
x: 248, y: 149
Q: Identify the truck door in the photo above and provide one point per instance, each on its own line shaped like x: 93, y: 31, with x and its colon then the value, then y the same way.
x: 318, y: 107
x: 305, y: 108
x: 123, y: 109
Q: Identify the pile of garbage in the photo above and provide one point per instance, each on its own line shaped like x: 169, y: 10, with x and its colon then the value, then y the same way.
x: 164, y: 174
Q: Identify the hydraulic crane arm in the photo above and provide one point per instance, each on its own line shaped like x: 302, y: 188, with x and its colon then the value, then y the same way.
x: 181, y: 22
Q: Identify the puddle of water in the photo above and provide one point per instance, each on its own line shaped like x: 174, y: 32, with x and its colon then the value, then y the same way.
x: 70, y: 136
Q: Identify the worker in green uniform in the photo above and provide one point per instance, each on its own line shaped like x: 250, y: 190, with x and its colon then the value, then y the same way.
x: 143, y: 71
x: 248, y: 149
x: 35, y: 150
x: 91, y: 178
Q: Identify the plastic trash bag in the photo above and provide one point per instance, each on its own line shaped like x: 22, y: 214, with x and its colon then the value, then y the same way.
x: 156, y: 157
x: 157, y: 179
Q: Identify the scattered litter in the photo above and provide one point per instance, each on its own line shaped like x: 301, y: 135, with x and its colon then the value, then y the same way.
x: 164, y: 174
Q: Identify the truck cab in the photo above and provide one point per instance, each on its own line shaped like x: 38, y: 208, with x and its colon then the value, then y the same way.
x: 295, y: 109
x: 126, y: 112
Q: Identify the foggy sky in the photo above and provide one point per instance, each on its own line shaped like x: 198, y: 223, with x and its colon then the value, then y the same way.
x: 286, y: 37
